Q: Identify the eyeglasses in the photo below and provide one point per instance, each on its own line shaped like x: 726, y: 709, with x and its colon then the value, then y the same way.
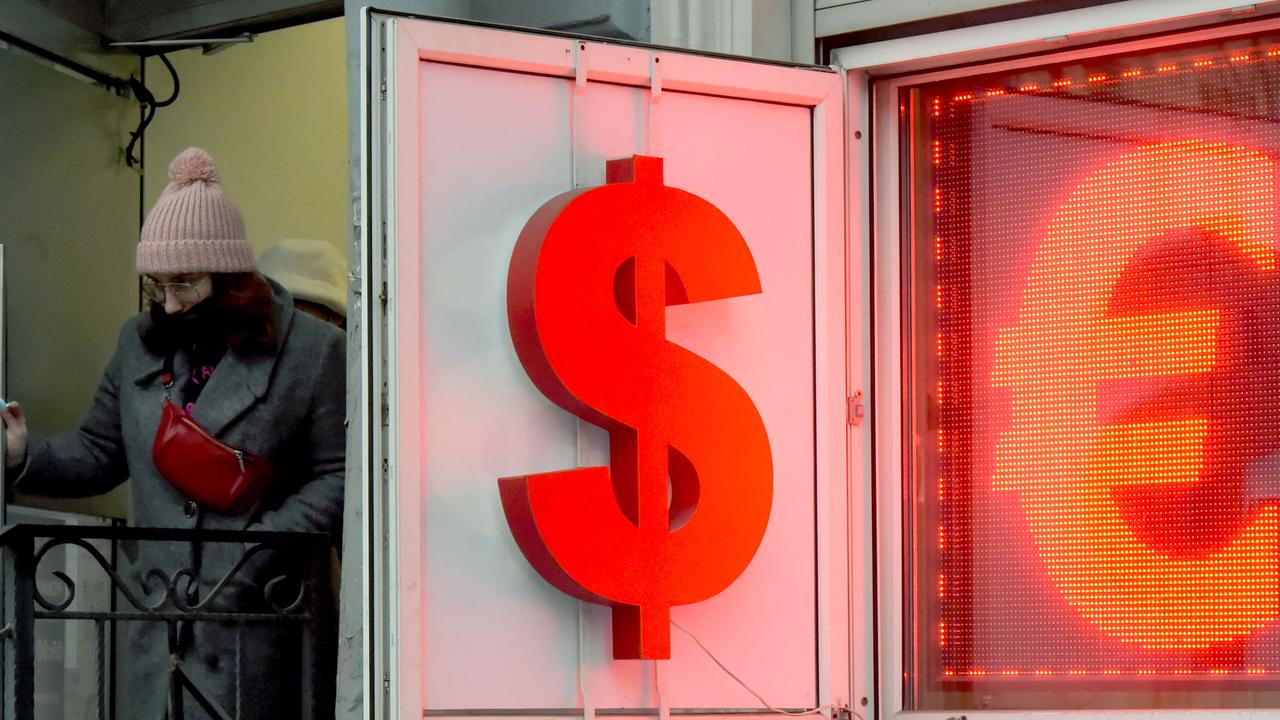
x: 186, y: 292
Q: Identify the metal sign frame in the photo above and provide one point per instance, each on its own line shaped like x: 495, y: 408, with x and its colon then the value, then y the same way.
x: 874, y: 74
x: 390, y: 185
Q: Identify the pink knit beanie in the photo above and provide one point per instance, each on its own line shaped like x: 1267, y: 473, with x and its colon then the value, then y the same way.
x: 194, y: 226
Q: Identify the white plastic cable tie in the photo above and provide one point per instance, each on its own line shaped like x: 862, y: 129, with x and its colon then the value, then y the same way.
x: 664, y: 710
x: 588, y: 708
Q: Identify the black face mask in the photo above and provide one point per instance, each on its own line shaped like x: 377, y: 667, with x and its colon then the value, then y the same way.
x: 199, y: 328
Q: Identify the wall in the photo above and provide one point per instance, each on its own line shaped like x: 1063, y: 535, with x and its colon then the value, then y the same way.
x: 840, y: 16
x: 772, y: 32
x: 627, y: 16
x: 70, y: 223
x: 761, y: 29
x: 273, y: 114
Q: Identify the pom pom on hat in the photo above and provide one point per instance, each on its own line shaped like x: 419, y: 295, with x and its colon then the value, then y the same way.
x: 191, y: 165
x: 194, y: 226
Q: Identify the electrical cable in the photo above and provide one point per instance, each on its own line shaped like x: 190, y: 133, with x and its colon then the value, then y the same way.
x: 117, y: 86
x: 149, y: 105
x: 756, y: 695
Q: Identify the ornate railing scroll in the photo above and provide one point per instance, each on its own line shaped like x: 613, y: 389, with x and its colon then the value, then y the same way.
x: 277, y: 578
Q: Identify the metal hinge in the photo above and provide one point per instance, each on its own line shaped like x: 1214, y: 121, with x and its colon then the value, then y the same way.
x: 856, y: 410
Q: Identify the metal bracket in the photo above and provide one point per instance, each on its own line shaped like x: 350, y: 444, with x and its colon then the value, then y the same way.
x: 856, y: 410
x: 655, y: 78
x: 580, y: 69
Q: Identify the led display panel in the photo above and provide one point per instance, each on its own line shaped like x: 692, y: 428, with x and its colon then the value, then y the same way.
x: 1092, y: 505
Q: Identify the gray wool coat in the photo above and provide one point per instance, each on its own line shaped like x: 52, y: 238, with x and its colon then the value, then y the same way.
x: 288, y: 408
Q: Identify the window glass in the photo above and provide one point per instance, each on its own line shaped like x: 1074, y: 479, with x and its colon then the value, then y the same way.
x: 1093, y: 333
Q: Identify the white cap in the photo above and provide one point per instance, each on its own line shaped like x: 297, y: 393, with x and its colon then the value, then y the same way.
x: 309, y: 269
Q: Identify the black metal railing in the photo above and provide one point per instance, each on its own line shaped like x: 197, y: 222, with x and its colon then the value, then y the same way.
x: 293, y: 591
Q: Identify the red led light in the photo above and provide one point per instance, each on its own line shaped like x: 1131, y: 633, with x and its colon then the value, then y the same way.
x: 1095, y: 394
x: 1104, y: 673
x: 1065, y: 465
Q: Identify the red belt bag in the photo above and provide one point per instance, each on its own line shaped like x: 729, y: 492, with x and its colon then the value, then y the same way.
x: 204, y: 468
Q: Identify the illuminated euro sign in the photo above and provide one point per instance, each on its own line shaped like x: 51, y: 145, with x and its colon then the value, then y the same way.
x: 1066, y: 465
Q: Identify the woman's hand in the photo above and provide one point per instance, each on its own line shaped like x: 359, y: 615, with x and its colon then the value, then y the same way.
x: 15, y: 434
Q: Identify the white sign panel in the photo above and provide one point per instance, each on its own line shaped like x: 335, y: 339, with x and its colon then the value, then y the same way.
x: 489, y: 125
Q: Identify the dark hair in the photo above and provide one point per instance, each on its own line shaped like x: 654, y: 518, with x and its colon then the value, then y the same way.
x: 240, y: 309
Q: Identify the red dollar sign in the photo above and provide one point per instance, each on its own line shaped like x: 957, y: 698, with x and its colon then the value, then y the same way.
x: 587, y: 290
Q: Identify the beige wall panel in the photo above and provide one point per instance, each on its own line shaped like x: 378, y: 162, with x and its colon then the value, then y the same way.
x: 69, y: 209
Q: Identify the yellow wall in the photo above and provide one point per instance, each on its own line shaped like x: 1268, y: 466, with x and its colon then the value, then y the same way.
x: 69, y: 223
x: 273, y: 114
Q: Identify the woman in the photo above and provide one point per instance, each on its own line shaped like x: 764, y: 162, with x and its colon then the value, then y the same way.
x: 224, y: 344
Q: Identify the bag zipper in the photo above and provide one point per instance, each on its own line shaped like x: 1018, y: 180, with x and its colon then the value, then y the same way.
x: 240, y: 458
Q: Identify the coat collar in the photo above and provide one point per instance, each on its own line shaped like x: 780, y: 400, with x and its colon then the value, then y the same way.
x: 239, y: 381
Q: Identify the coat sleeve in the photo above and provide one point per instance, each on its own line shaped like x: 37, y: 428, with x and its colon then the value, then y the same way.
x: 87, y: 461
x: 317, y: 504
